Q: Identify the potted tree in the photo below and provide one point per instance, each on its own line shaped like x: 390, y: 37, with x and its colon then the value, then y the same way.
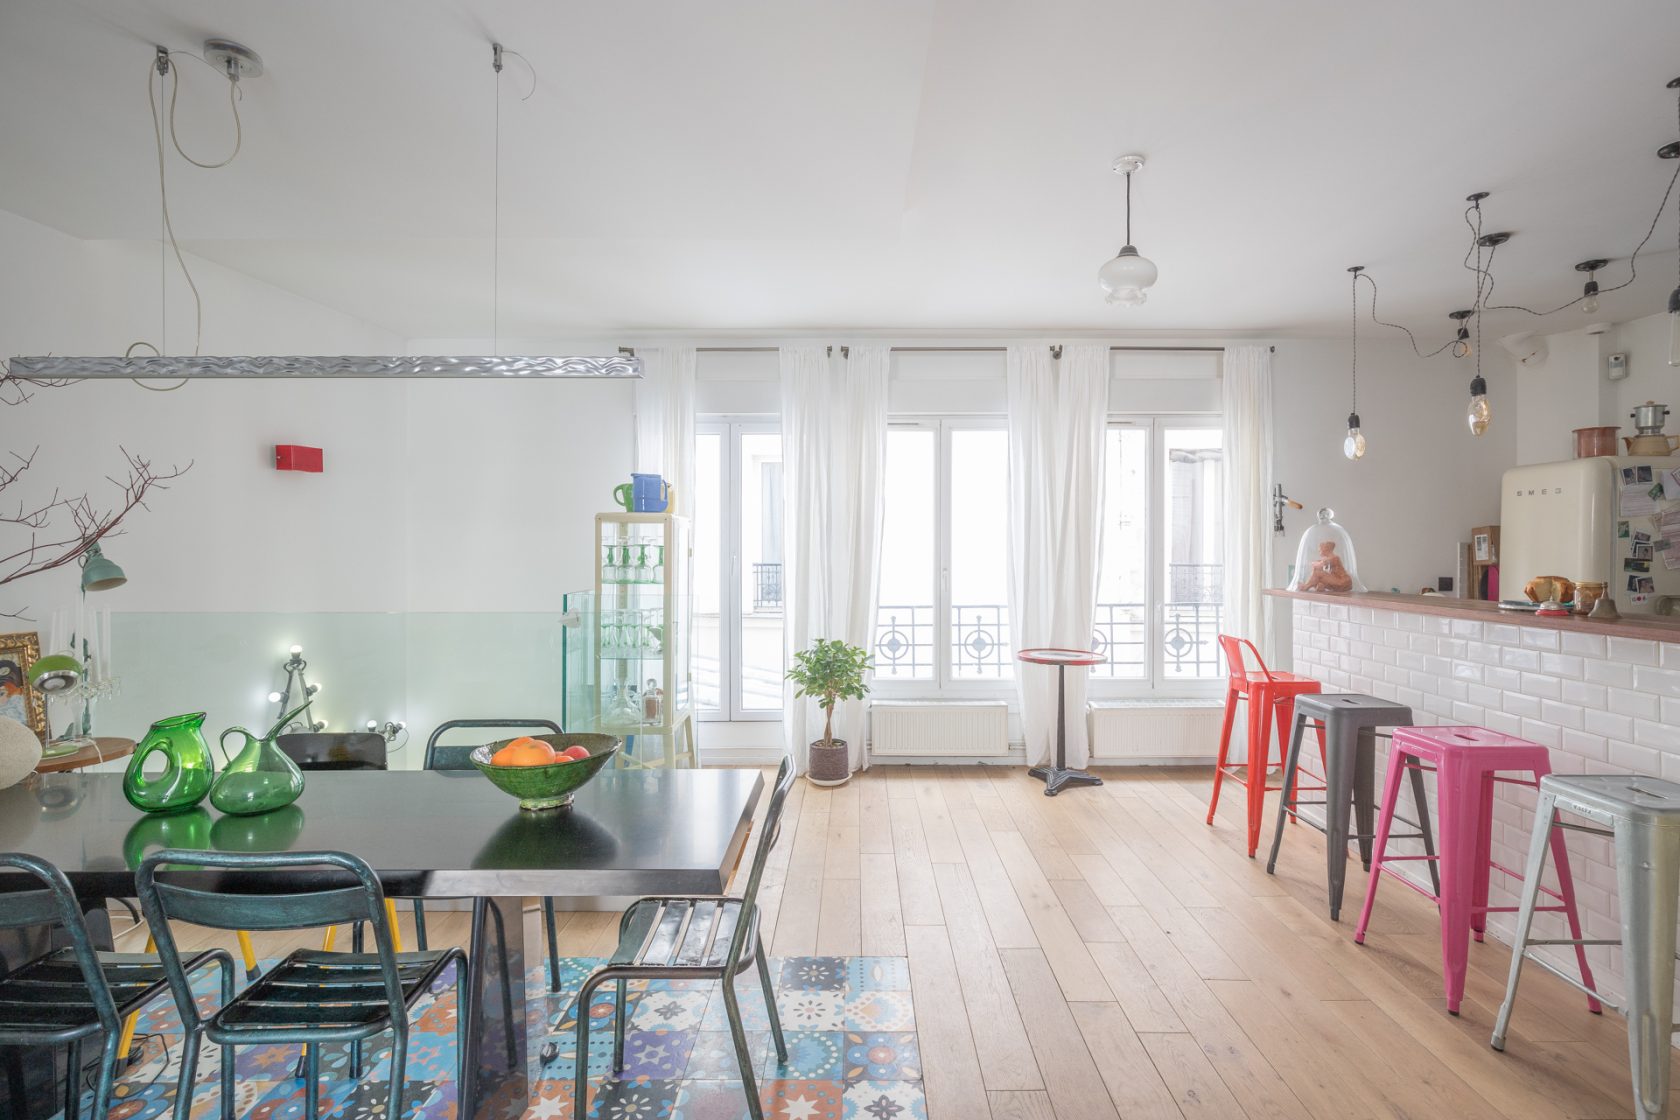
x: 829, y: 672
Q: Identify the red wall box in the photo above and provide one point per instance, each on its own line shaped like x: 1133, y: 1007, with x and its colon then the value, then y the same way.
x: 296, y: 457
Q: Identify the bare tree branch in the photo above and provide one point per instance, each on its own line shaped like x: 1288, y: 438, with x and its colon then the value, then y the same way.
x: 90, y: 522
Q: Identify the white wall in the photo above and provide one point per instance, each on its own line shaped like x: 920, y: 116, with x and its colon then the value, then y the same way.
x: 1650, y: 377
x: 447, y: 498
x: 1424, y: 482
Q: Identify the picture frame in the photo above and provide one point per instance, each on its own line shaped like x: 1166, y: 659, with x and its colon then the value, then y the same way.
x: 18, y: 700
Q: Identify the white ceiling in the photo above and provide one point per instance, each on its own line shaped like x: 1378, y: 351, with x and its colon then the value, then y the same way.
x: 906, y: 165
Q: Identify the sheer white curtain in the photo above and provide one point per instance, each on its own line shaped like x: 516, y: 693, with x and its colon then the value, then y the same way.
x: 834, y: 449
x: 1058, y: 411
x: 665, y: 420
x: 1246, y: 404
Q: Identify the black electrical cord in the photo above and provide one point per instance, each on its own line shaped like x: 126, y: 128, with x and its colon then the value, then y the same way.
x: 1366, y: 276
x: 1633, y: 271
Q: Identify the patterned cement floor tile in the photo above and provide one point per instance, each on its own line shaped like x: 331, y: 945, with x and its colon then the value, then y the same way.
x: 849, y: 1024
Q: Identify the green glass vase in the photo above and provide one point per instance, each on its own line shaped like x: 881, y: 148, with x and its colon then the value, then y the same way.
x: 260, y: 780
x: 188, y: 767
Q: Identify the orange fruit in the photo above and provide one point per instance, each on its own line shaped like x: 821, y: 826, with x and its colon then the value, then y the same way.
x: 524, y: 751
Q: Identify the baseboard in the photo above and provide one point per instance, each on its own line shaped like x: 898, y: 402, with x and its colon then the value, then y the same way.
x: 741, y: 756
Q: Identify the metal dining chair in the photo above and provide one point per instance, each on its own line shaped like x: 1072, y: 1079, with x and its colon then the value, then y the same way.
x: 358, y: 750
x: 312, y: 997
x: 459, y: 757
x: 692, y: 937
x: 74, y: 993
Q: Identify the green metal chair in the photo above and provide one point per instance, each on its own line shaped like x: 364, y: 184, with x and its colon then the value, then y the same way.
x: 441, y: 757
x: 692, y: 937
x: 311, y: 997
x: 74, y: 993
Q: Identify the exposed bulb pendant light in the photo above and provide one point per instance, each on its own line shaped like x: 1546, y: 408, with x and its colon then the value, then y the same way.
x: 1478, y: 414
x: 1127, y: 278
x: 1672, y: 151
x: 1461, y: 347
x: 1589, y: 290
x: 1354, y: 445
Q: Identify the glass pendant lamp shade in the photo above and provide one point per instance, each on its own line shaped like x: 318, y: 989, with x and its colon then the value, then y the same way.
x: 98, y: 573
x: 1127, y: 277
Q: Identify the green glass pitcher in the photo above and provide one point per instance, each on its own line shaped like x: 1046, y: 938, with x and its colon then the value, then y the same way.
x: 188, y: 768
x: 261, y: 779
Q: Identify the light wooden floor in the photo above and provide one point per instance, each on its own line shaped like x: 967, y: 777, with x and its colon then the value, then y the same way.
x: 1106, y: 954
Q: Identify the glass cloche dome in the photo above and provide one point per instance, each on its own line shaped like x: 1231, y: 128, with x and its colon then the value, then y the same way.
x: 1325, y: 560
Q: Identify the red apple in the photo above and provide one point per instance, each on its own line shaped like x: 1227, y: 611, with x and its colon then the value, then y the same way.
x: 576, y: 753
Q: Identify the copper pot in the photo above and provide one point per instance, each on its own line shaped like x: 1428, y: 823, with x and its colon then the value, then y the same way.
x: 1590, y: 442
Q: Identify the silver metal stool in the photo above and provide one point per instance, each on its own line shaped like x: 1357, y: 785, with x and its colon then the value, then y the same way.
x: 1348, y: 721
x: 1642, y: 815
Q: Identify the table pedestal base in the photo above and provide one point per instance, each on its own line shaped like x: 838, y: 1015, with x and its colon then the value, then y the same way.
x: 1055, y: 777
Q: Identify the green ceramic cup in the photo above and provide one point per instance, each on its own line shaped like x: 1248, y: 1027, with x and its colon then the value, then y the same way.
x: 551, y: 786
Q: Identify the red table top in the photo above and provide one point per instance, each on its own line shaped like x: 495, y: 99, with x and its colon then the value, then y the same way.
x: 1053, y: 656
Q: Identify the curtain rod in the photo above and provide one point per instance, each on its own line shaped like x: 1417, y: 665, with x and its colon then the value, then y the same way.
x: 975, y: 349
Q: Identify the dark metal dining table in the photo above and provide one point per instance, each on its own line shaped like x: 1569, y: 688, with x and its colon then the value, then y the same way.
x: 427, y: 834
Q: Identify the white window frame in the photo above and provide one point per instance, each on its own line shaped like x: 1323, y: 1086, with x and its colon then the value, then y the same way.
x: 942, y: 684
x: 1155, y: 683
x: 732, y: 689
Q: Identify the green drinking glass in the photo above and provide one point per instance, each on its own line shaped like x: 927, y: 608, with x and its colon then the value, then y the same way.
x: 260, y: 780
x: 188, y: 768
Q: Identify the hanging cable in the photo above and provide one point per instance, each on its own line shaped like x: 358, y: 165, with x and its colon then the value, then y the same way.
x: 1633, y: 258
x: 1410, y: 337
x: 160, y: 65
x: 496, y: 211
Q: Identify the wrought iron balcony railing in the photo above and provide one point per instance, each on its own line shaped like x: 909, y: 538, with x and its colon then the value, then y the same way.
x: 981, y: 649
x: 767, y: 587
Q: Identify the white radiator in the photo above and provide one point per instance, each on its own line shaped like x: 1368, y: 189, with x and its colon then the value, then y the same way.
x: 1155, y: 730
x: 960, y: 728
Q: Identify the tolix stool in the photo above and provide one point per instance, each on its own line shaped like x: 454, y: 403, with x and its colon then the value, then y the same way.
x: 1347, y: 736
x: 1467, y: 762
x: 1270, y: 695
x: 1642, y: 816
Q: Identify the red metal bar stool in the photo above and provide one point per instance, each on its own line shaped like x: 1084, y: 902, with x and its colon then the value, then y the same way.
x: 1271, y: 697
x: 1466, y: 762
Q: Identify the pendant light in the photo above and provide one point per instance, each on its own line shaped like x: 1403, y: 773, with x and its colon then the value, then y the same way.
x: 238, y: 62
x: 1672, y: 151
x: 1589, y: 290
x: 1127, y: 278
x: 1354, y: 445
x: 1461, y: 347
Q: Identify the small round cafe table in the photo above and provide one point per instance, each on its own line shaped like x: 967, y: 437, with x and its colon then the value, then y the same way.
x: 1057, y: 775
x: 105, y: 748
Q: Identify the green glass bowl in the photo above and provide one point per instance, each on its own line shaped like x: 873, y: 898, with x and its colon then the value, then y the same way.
x: 551, y: 786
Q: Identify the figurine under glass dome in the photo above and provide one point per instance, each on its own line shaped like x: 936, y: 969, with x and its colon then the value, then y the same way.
x: 1325, y: 560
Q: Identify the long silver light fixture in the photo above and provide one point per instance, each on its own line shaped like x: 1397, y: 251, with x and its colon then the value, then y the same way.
x: 342, y: 366
x: 241, y: 62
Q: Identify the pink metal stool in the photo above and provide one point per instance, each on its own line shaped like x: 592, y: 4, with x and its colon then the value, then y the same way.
x: 1466, y: 762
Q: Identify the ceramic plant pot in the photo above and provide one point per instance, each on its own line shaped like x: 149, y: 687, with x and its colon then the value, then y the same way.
x: 830, y: 765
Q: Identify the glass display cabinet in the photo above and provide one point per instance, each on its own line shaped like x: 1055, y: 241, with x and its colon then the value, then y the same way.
x: 627, y: 669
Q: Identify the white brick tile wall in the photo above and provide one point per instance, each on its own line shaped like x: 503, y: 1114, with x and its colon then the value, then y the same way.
x: 1602, y: 705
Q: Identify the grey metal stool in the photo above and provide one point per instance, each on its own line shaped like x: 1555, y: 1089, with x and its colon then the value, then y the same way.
x: 1348, y: 722
x: 1642, y: 816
